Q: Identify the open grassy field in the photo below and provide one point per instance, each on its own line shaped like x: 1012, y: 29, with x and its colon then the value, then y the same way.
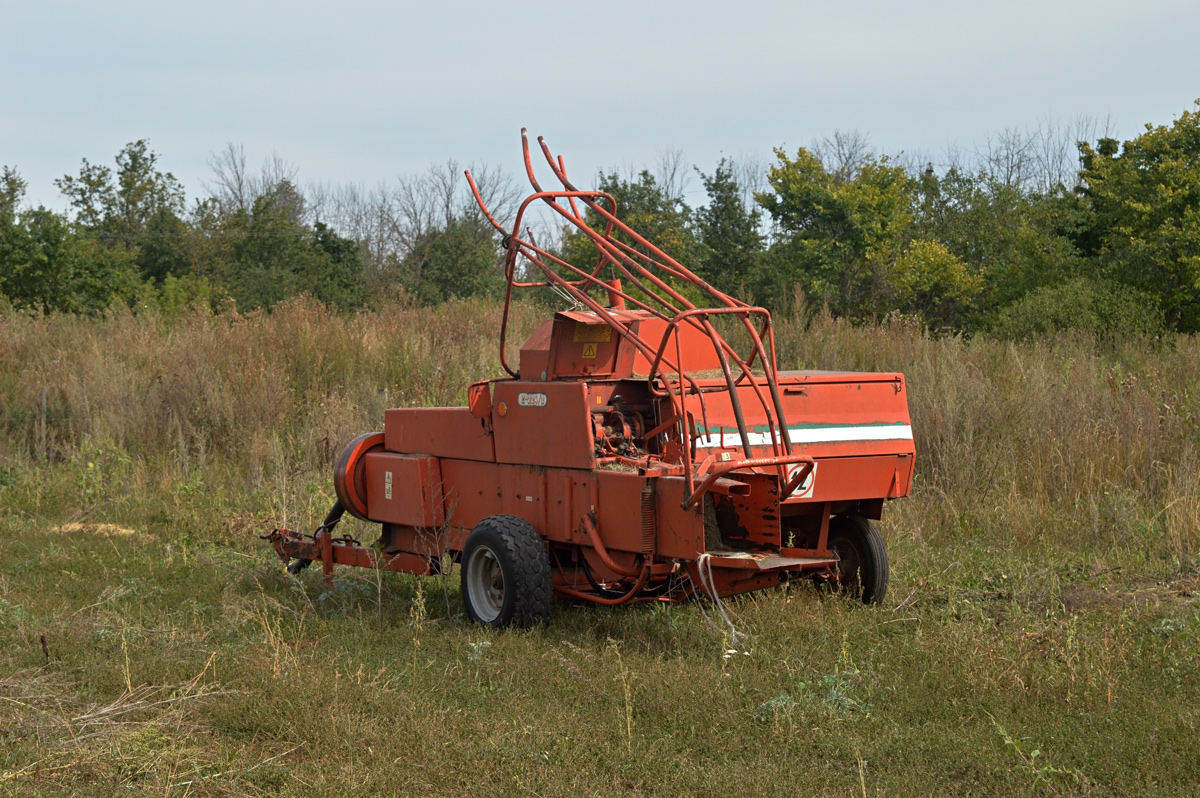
x: 1041, y: 634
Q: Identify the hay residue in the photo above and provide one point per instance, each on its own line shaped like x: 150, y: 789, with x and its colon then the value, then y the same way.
x: 107, y: 530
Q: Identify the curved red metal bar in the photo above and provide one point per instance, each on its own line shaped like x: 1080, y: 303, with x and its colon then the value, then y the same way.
x: 649, y: 270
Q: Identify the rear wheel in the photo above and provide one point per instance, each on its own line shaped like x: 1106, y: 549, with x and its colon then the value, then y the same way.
x: 863, y: 566
x: 506, y: 573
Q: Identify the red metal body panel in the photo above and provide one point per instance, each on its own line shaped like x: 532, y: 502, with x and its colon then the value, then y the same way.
x: 405, y: 489
x: 751, y: 522
x: 579, y: 344
x: 680, y: 531
x: 619, y: 509
x: 845, y: 403
x: 852, y: 478
x: 699, y: 354
x: 421, y: 540
x: 438, y: 431
x: 556, y: 501
x: 542, y: 423
x: 584, y: 345
x: 535, y: 353
x: 553, y: 500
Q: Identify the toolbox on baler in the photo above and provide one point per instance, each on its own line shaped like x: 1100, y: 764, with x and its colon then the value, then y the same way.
x: 633, y: 454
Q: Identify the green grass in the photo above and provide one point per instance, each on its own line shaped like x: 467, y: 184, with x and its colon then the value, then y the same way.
x: 171, y: 667
x: 1041, y: 635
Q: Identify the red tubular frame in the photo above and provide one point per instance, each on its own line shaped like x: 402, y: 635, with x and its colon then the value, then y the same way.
x: 648, y: 269
x: 620, y: 566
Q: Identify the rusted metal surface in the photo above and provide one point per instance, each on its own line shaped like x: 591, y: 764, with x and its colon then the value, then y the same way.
x: 654, y: 459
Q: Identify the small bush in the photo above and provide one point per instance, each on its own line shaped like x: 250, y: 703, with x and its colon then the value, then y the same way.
x: 1102, y: 308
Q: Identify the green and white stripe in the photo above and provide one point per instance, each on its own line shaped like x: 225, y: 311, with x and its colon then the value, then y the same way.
x: 813, y: 433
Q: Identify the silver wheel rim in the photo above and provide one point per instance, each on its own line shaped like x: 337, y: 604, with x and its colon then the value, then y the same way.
x: 485, y: 584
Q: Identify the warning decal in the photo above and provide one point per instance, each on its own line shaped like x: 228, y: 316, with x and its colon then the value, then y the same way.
x: 592, y: 334
x: 589, y: 350
x: 805, y: 489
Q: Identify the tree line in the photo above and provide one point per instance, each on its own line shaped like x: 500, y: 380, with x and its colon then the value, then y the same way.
x: 1036, y: 232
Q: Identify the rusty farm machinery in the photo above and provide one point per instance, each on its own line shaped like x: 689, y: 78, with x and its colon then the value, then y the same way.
x: 633, y: 453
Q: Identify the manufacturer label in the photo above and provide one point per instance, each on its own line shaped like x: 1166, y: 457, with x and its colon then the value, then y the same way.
x: 592, y: 334
x: 531, y: 399
x: 387, y: 484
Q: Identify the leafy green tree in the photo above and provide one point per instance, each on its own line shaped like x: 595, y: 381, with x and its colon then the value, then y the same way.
x: 47, y: 265
x: 840, y: 239
x: 131, y: 214
x: 339, y: 279
x: 729, y: 241
x: 164, y: 247
x: 118, y: 207
x: 850, y: 239
x: 460, y: 259
x: 931, y: 282
x: 43, y: 263
x: 1146, y: 205
x: 12, y: 190
x: 1011, y: 242
x: 270, y: 254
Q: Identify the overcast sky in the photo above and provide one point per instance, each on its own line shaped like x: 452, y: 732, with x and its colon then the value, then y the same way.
x: 363, y: 91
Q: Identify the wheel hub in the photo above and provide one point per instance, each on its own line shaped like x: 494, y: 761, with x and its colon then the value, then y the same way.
x: 485, y: 584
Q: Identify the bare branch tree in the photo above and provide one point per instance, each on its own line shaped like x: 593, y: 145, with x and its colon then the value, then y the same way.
x: 844, y: 153
x: 1009, y: 157
x: 231, y: 183
x: 235, y: 188
x: 913, y: 162
x: 673, y: 173
x: 276, y: 170
x: 418, y: 205
x: 749, y: 169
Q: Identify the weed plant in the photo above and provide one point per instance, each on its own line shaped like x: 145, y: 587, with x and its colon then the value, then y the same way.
x: 1042, y: 634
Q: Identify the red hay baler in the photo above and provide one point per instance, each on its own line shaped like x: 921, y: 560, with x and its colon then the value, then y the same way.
x: 633, y: 453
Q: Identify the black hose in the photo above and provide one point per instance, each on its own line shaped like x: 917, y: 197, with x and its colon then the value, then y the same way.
x: 604, y: 593
x: 333, y: 516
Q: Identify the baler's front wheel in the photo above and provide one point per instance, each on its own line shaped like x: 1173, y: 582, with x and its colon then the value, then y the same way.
x: 864, y: 562
x: 506, y: 573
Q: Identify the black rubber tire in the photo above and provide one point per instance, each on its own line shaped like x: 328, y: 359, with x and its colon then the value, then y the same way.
x: 864, y: 560
x: 525, y: 586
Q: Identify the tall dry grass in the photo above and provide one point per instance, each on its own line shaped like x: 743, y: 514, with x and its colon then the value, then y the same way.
x: 1056, y: 487
x: 1073, y: 441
